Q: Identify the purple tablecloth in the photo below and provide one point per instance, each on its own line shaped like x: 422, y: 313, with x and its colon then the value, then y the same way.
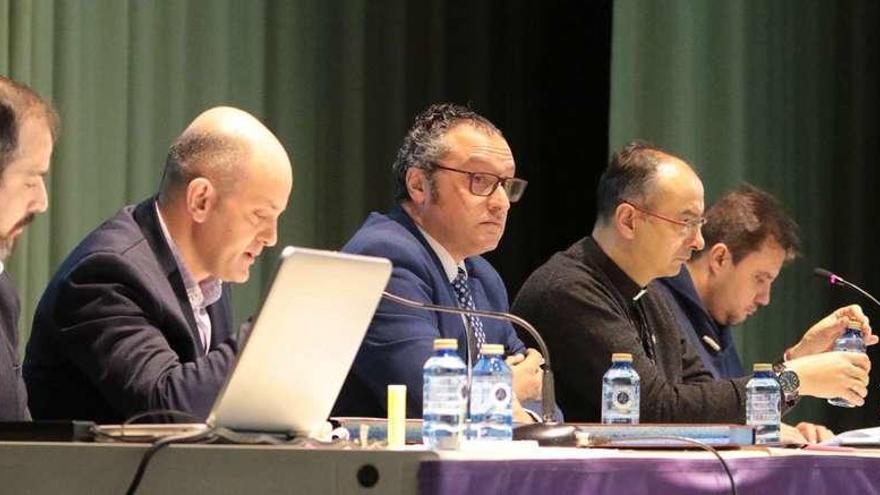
x: 796, y: 474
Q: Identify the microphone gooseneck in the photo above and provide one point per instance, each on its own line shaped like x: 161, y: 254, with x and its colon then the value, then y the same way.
x: 837, y: 280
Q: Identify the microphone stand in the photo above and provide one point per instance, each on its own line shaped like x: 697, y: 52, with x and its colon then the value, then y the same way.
x: 549, y: 431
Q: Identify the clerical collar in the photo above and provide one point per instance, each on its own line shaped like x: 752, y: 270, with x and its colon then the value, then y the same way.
x: 627, y: 287
x: 449, y: 265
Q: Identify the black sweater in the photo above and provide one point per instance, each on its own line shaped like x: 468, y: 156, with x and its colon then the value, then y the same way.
x: 582, y: 303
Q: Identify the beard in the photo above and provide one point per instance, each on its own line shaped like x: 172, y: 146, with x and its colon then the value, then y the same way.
x: 7, y: 242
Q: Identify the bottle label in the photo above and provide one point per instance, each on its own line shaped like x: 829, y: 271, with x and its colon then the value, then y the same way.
x: 488, y: 397
x: 622, y: 400
x: 445, y: 394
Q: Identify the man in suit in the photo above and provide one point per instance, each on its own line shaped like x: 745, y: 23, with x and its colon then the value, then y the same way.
x: 454, y: 178
x: 596, y: 298
x: 28, y: 126
x: 138, y: 316
x: 748, y: 239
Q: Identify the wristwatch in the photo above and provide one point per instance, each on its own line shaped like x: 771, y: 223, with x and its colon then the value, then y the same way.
x: 788, y: 380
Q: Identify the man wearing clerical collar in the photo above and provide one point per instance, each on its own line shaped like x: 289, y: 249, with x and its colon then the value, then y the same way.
x: 596, y: 298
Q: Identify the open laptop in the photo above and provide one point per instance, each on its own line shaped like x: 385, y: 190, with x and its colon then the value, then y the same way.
x: 303, y: 342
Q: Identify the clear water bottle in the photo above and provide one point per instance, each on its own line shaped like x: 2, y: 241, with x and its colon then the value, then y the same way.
x: 491, y: 396
x: 620, y: 392
x: 444, y: 397
x: 763, y: 404
x: 851, y: 341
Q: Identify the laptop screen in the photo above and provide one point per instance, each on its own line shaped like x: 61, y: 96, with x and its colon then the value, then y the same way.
x: 303, y: 342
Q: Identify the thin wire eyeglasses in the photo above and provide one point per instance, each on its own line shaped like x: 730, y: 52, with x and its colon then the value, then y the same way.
x: 689, y: 226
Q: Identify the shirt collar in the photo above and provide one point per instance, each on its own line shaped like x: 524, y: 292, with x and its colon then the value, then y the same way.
x: 446, y: 260
x: 200, y: 294
x: 2, y: 267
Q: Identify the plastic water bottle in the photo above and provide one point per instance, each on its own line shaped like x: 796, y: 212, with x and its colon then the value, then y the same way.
x: 763, y: 404
x: 491, y: 396
x: 620, y: 391
x: 444, y: 397
x: 850, y: 341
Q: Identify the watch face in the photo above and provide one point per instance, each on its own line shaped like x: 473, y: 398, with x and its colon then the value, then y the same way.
x: 789, y: 381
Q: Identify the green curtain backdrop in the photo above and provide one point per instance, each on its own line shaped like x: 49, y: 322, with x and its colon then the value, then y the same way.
x: 338, y: 81
x: 782, y: 94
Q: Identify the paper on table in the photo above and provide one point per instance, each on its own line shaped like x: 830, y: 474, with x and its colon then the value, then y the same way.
x: 866, y: 437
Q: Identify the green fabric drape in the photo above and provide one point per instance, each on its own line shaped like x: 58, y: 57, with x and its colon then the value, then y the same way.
x: 338, y: 82
x: 781, y: 94
x: 126, y: 78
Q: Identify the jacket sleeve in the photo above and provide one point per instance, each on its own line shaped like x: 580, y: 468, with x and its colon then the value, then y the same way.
x: 109, y: 323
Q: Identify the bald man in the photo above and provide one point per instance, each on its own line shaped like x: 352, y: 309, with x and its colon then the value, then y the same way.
x: 138, y: 316
x: 596, y: 298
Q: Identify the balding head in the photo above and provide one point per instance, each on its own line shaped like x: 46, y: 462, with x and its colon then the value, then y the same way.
x: 222, y: 144
x: 650, y: 212
x: 227, y: 180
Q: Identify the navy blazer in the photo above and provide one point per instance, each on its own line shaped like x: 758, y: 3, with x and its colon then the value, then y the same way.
x: 13, y: 397
x: 400, y: 339
x: 114, y: 333
x: 695, y: 323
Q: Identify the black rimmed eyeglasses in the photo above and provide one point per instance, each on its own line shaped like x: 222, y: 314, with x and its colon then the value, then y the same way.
x: 484, y: 183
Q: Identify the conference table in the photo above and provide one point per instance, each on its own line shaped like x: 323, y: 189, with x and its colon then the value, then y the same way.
x: 107, y: 468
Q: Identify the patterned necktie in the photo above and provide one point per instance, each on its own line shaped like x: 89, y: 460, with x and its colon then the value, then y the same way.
x: 466, y: 301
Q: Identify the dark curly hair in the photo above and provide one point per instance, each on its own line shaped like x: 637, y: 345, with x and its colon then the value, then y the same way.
x: 423, y: 144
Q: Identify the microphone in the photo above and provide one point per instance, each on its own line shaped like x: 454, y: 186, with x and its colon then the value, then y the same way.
x: 837, y: 280
x: 549, y: 432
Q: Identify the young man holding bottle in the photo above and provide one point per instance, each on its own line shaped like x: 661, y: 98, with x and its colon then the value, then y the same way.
x: 748, y: 240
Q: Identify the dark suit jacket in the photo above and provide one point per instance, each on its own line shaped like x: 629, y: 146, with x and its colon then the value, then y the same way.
x: 400, y: 339
x: 114, y: 333
x: 13, y: 397
x: 695, y: 323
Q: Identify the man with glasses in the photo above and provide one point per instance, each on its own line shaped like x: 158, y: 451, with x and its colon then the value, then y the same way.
x: 454, y: 179
x: 596, y: 298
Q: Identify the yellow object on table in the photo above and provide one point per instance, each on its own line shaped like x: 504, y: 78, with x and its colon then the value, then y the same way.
x: 396, y: 416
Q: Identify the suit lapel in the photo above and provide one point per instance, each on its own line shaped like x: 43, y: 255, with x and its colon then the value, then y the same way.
x: 146, y: 217
x: 400, y: 216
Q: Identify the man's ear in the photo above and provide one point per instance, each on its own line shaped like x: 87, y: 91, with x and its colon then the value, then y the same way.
x: 418, y: 186
x: 625, y: 220
x: 201, y: 196
x: 720, y: 258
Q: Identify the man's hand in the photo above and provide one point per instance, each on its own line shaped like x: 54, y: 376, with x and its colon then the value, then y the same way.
x: 526, y: 374
x: 519, y: 414
x: 789, y: 435
x: 833, y: 374
x: 820, y: 337
x: 814, y: 433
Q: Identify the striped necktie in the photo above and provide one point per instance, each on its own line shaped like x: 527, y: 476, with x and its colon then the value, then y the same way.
x: 466, y: 301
